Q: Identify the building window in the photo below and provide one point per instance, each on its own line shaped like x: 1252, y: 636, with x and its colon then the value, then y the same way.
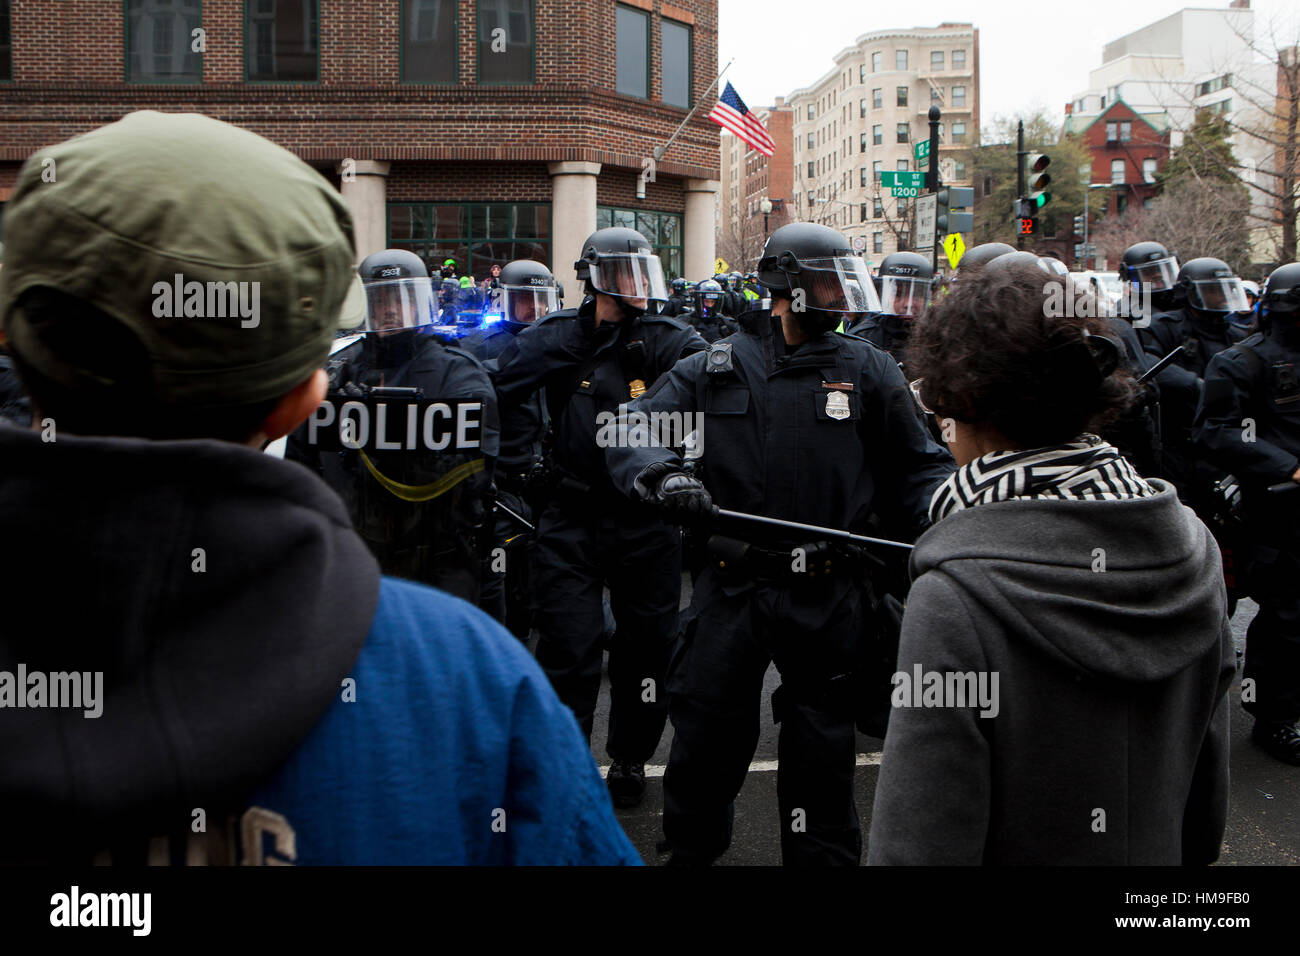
x: 812, y: 140
x: 429, y: 41
x: 936, y: 59
x: 1214, y: 85
x: 959, y: 170
x: 877, y: 168
x: 900, y: 133
x: 477, y: 235
x: 988, y: 185
x: 862, y: 143
x: 936, y: 94
x: 159, y: 41
x: 1117, y: 172
x: 512, y: 66
x: 877, y: 208
x: 812, y: 111
x: 1146, y: 203
x: 810, y: 200
x: 959, y: 97
x: 862, y: 73
x: 877, y: 99
x: 1149, y: 170
x: 675, y: 72
x: 6, y: 60
x: 633, y: 29
x: 959, y: 59
x: 812, y: 170
x: 1126, y: 132
x: 902, y: 165
x: 877, y: 62
x: 900, y: 59
x: 877, y: 242
x: 1121, y: 204
x: 862, y: 213
x: 877, y: 135
x: 902, y: 96
x: 902, y: 209
x: 281, y: 41
x: 959, y: 131
x: 663, y: 230
x: 862, y: 109
x: 1112, y: 132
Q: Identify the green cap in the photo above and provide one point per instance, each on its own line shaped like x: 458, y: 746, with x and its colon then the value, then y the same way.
x: 225, y: 254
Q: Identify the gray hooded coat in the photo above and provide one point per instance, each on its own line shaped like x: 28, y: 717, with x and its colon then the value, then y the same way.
x: 1109, y: 744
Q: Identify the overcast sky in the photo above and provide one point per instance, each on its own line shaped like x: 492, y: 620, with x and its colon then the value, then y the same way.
x: 780, y: 46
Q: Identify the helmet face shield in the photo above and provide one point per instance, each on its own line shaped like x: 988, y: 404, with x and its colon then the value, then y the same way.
x: 1218, y: 295
x: 706, y: 303
x: 901, y: 295
x: 525, y: 304
x: 637, y: 276
x: 399, y: 304
x: 839, y: 284
x: 1158, y: 276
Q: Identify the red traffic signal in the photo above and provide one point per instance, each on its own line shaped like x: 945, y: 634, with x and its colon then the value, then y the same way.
x: 1026, y: 227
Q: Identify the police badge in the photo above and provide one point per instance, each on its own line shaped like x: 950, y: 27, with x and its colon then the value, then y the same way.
x: 837, y: 406
x: 636, y: 388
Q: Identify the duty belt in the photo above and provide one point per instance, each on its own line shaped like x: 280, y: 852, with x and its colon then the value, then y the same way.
x: 805, y: 563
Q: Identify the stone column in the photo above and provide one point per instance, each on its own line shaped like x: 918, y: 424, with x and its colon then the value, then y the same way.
x: 700, y: 249
x: 365, y: 189
x: 573, y: 219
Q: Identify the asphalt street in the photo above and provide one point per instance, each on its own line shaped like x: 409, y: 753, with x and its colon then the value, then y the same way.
x: 1263, y: 817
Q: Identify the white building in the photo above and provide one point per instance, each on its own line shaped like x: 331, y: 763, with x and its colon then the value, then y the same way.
x: 1193, y: 59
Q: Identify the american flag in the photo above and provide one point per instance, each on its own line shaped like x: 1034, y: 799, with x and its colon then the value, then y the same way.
x: 732, y: 113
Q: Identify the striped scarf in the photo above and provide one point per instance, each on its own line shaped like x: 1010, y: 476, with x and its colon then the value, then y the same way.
x: 1086, y: 469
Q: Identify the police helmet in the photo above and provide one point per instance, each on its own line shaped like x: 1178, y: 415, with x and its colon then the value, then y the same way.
x: 906, y: 282
x: 527, y: 291
x: 678, y: 286
x: 817, y: 261
x: 1281, y: 293
x: 1209, y: 285
x: 399, y: 294
x: 985, y: 252
x: 620, y: 262
x: 1149, y: 263
x: 708, y: 296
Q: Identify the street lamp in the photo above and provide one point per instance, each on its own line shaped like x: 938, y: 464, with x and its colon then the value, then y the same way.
x: 766, y: 207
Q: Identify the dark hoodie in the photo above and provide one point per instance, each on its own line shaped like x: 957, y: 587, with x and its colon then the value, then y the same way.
x: 1110, y: 739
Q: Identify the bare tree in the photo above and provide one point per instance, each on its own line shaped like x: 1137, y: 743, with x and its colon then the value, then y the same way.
x: 741, y: 243
x: 1192, y: 217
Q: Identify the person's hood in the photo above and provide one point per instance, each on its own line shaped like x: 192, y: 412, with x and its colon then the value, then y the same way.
x: 1036, y: 566
x: 222, y: 593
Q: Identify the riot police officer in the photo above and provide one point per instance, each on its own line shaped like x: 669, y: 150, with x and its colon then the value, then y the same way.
x: 706, y: 313
x: 591, y: 360
x: 906, y: 283
x: 977, y: 256
x: 1208, y: 293
x: 1249, y: 423
x: 525, y: 293
x: 678, y: 301
x: 1148, y: 273
x: 417, y: 491
x: 803, y: 424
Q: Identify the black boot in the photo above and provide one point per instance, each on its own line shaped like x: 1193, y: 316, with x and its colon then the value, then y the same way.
x: 1281, y: 741
x: 626, y: 782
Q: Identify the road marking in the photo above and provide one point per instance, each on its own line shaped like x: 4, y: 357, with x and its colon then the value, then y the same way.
x: 758, y: 766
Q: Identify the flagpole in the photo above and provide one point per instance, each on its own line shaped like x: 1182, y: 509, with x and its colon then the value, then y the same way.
x: 660, y: 150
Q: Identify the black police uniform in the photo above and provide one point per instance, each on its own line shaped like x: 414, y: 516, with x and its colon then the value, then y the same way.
x: 441, y: 540
x: 711, y: 327
x: 507, y: 596
x: 1200, y: 337
x: 1136, y: 433
x: 590, y: 534
x: 675, y: 305
x: 821, y: 434
x: 1260, y: 380
x: 885, y: 331
x: 15, y: 406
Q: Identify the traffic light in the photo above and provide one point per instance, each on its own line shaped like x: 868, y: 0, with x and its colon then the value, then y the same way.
x: 1027, y: 227
x: 1036, y: 180
x: 946, y: 221
x: 1078, y: 225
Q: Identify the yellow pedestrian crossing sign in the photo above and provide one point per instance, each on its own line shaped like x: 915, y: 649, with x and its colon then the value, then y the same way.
x: 720, y: 265
x: 954, y: 247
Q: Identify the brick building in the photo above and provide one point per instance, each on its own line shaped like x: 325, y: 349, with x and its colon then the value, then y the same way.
x: 748, y: 178
x: 484, y: 130
x: 1128, y: 150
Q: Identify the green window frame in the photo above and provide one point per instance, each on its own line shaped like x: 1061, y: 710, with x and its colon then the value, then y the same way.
x: 250, y: 53
x: 475, y: 234
x: 663, y: 230
x: 621, y: 10
x: 126, y: 46
x: 408, y: 13
x: 485, y: 45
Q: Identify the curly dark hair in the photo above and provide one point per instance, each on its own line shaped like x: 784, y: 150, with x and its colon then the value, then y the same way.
x: 1011, y: 346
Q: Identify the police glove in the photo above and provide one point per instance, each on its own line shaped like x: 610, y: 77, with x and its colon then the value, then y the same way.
x: 679, y: 494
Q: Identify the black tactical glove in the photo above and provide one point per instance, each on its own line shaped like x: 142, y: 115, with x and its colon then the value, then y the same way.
x: 677, y: 493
